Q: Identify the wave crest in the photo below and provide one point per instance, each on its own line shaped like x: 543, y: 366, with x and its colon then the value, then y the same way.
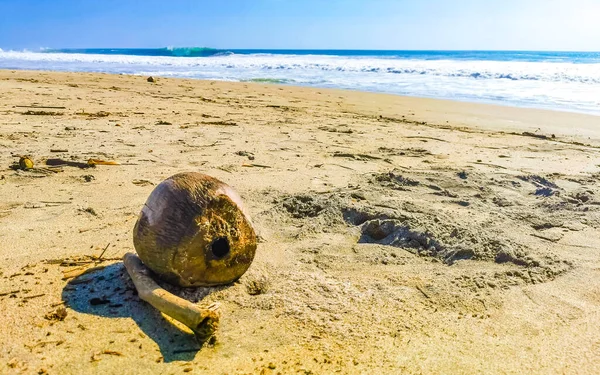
x: 149, y: 52
x: 193, y: 51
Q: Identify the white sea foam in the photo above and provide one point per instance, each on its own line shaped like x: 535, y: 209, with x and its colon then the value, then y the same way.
x: 558, y: 85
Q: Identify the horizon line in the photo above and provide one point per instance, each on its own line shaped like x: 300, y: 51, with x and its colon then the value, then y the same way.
x: 301, y: 49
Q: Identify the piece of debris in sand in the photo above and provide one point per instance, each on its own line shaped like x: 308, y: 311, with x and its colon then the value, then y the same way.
x: 101, y: 162
x: 248, y: 165
x: 363, y: 157
x: 142, y: 183
x: 57, y: 315
x: 247, y: 154
x: 70, y: 274
x: 222, y: 123
x: 40, y: 106
x: 535, y: 135
x: 91, y: 163
x: 25, y: 163
x: 96, y: 356
x: 41, y: 113
x: 257, y: 284
x: 151, y: 79
x: 68, y: 163
x: 202, y: 321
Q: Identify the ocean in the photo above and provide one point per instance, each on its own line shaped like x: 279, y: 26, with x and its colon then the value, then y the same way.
x: 568, y: 81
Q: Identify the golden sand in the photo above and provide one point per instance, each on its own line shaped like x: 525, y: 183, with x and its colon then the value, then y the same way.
x: 397, y: 235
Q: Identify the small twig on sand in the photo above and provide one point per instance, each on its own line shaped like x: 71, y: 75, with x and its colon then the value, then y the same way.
x: 342, y: 166
x: 349, y: 155
x: 11, y: 292
x: 44, y: 343
x: 80, y: 271
x: 210, y: 145
x: 256, y: 165
x: 96, y: 356
x: 40, y: 106
x: 103, y: 251
x: 422, y: 291
x: 35, y: 296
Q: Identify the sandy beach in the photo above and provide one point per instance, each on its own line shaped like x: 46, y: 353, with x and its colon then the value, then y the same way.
x: 397, y: 234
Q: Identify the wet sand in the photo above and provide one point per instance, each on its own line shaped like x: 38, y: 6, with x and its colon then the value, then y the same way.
x: 396, y: 234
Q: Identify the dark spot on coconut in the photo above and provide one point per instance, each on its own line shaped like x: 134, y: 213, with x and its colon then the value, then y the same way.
x: 220, y: 247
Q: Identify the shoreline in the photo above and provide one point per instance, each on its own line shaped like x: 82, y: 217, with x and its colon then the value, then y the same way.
x: 397, y: 234
x: 510, y: 101
x: 490, y: 103
x: 513, y: 118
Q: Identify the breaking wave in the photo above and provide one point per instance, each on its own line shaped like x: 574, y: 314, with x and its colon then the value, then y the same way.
x: 167, y: 51
x: 557, y: 81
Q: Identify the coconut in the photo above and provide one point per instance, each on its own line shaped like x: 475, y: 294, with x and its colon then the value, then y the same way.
x: 194, y: 231
x: 25, y: 163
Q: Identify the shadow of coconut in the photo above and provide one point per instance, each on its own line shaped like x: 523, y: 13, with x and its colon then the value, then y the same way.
x: 109, y: 292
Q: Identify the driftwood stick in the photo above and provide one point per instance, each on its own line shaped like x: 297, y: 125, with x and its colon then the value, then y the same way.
x: 202, y: 321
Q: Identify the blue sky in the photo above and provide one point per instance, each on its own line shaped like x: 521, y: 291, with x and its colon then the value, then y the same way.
x: 319, y: 24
